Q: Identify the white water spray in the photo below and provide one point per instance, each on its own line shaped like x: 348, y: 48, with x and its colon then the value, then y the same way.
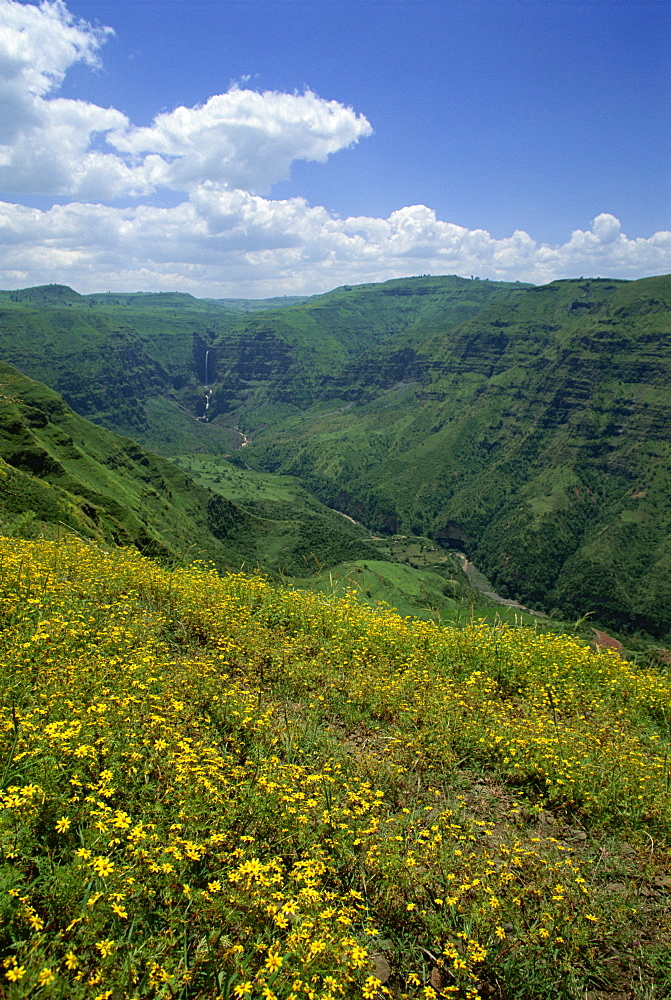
x: 208, y: 390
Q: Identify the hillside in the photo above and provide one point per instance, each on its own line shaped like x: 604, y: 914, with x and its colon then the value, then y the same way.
x: 67, y: 472
x: 527, y: 427
x: 535, y: 437
x: 215, y: 788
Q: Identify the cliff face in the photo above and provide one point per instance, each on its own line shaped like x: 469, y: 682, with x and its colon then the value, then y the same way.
x: 99, y: 367
x: 379, y: 370
x: 249, y: 360
x: 538, y: 433
x: 110, y: 356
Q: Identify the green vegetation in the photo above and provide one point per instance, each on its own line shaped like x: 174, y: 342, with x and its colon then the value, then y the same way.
x: 528, y: 427
x: 535, y: 437
x: 113, y: 356
x: 216, y: 788
x: 421, y: 595
x: 72, y: 474
x: 411, y: 574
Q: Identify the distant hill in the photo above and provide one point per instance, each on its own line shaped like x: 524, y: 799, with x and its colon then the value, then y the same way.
x: 136, y: 363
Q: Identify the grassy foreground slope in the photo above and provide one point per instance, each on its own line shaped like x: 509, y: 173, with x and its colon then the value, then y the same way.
x: 213, y: 788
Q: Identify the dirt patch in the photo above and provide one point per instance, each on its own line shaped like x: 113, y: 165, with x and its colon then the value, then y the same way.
x: 604, y: 641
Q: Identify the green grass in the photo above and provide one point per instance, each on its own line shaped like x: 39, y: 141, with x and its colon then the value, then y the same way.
x: 111, y: 355
x: 423, y: 595
x: 243, y: 484
x: 300, y: 535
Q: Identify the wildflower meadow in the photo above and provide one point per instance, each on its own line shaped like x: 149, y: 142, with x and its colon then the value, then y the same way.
x: 216, y: 788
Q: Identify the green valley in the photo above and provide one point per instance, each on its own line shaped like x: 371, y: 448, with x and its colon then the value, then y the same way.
x: 527, y: 427
x: 67, y: 473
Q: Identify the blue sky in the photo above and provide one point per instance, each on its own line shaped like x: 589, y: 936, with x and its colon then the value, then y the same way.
x: 329, y: 141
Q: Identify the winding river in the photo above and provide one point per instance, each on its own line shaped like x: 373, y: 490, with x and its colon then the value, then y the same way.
x: 480, y: 583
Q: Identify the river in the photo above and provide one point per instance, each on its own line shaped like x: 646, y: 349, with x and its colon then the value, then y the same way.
x: 480, y: 582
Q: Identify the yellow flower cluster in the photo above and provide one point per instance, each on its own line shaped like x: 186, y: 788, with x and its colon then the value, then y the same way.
x: 216, y: 788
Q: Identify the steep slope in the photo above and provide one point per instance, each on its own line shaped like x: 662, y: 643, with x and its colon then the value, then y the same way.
x: 139, y: 364
x: 535, y: 436
x: 71, y: 472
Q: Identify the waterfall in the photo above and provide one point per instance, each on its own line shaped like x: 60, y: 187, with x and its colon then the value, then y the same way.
x: 208, y: 390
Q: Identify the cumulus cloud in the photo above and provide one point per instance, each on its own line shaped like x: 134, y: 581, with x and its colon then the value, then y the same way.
x: 39, y: 44
x: 45, y: 142
x: 226, y: 237
x: 241, y: 139
x: 52, y: 154
x: 221, y: 243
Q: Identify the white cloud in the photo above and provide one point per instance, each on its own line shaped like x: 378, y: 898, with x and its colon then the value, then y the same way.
x: 606, y: 228
x: 38, y: 44
x: 221, y: 243
x: 241, y: 139
x: 225, y: 238
x: 52, y: 154
x: 45, y: 142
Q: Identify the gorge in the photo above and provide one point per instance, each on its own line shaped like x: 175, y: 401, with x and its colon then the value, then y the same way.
x: 527, y: 427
